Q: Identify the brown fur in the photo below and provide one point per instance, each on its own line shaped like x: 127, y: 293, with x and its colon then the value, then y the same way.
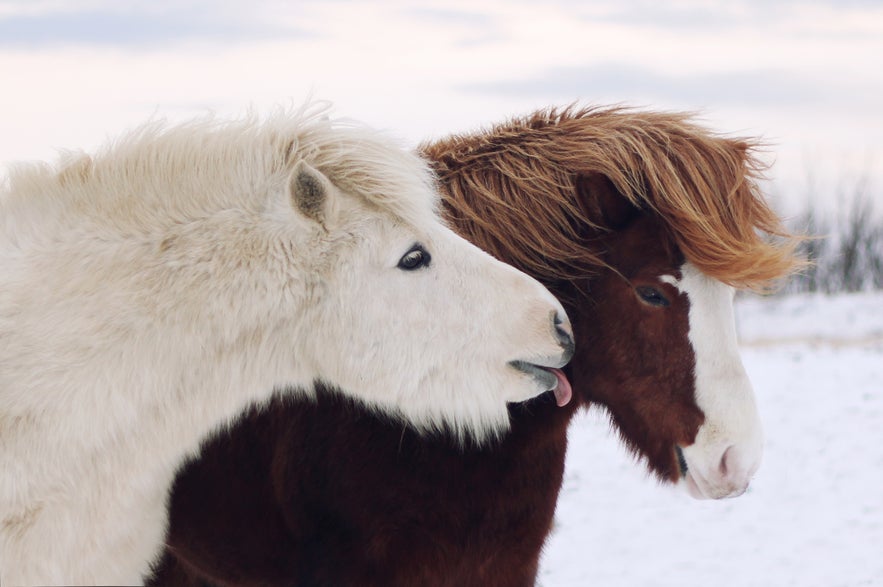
x: 329, y: 494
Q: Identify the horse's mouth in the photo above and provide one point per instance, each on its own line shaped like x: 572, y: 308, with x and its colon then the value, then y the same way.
x: 551, y: 378
x: 682, y: 462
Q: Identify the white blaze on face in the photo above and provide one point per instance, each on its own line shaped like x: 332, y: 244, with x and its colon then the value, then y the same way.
x: 728, y: 448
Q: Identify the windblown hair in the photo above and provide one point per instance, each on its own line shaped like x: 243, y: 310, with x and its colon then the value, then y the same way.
x: 703, y: 186
x: 206, y: 164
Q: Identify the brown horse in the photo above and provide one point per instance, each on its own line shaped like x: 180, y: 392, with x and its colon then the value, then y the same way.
x: 643, y: 224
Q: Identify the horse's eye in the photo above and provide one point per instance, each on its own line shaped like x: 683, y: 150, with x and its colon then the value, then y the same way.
x: 652, y: 296
x: 416, y: 258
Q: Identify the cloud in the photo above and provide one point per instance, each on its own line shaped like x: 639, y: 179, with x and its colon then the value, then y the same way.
x: 660, y: 15
x: 622, y: 82
x: 450, y: 16
x: 138, y: 25
x: 730, y: 16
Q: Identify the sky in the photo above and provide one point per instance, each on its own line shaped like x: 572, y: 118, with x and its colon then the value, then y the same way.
x: 803, y: 76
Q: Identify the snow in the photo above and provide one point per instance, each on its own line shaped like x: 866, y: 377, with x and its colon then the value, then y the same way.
x: 813, y: 516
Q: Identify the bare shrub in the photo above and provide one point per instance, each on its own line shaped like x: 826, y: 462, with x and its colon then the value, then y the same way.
x: 845, y: 248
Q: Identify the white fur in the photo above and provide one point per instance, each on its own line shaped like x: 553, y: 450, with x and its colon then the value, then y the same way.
x: 149, y: 294
x: 729, y: 446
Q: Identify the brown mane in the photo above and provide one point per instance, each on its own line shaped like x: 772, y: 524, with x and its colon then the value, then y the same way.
x: 702, y: 185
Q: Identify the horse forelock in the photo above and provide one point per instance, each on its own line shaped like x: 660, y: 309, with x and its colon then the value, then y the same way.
x: 209, y: 163
x: 371, y: 165
x: 703, y: 186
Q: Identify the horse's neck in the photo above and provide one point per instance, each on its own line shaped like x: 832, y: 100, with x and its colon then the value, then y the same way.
x: 120, y: 402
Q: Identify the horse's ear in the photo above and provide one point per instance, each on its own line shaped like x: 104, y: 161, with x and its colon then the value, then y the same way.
x: 312, y: 193
x: 603, y: 202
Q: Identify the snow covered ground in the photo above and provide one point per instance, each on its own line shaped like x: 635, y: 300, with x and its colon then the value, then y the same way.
x: 813, y: 516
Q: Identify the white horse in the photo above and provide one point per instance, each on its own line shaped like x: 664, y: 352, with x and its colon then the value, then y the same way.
x: 152, y: 292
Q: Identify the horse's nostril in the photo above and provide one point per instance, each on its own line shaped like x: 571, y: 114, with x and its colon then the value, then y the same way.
x: 724, y: 467
x: 563, y: 332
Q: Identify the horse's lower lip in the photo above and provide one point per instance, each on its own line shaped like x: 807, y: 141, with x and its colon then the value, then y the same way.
x: 538, y: 372
x: 551, y: 378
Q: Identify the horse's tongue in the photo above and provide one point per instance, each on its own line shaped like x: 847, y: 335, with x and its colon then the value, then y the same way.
x: 563, y: 391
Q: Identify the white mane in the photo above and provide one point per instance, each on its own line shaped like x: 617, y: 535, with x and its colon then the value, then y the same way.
x: 225, y: 162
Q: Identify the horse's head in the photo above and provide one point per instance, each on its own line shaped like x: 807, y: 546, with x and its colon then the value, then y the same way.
x: 642, y: 221
x: 416, y: 319
x: 657, y: 348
